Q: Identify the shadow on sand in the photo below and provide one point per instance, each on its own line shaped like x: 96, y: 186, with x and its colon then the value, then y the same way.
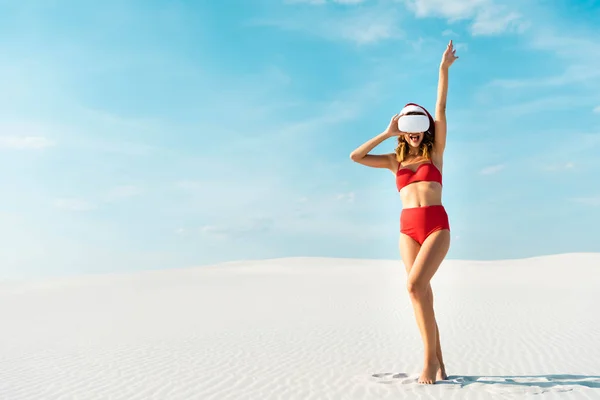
x: 544, y: 381
x: 515, y: 381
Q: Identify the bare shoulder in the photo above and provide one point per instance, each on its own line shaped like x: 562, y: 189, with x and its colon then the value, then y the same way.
x: 394, y: 163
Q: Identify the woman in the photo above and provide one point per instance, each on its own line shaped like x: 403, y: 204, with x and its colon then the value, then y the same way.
x: 424, y: 227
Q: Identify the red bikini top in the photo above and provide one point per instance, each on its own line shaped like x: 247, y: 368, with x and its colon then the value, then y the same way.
x: 425, y: 172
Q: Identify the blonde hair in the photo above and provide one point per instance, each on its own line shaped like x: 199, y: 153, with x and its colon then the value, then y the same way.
x: 425, y: 148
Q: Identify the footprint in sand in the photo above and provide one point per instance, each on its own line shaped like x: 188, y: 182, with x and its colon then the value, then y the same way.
x: 391, y: 377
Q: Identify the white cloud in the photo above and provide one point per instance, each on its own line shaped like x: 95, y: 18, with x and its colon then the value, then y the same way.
x: 115, y: 194
x: 73, y: 204
x: 322, y: 2
x: 494, y: 20
x: 220, y: 194
x: 580, y: 52
x: 211, y: 186
x: 461, y: 46
x: 348, y: 1
x: 25, y: 142
x: 559, y: 166
x: 488, y: 18
x: 589, y: 201
x: 347, y: 197
x: 345, y: 106
x: 449, y: 32
x: 361, y: 26
x: 492, y: 169
x: 451, y: 9
x: 577, y: 57
x: 313, y: 2
x: 123, y: 192
x: 417, y: 44
x: 363, y: 31
x: 26, y: 134
x: 568, y: 45
x: 596, y: 110
x: 542, y: 104
x: 112, y: 120
x: 590, y: 140
x: 573, y: 74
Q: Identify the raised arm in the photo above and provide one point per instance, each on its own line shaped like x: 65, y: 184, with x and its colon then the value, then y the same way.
x: 361, y: 154
x: 440, y: 107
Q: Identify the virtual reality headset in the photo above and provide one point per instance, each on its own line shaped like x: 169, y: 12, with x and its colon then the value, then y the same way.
x: 413, y: 123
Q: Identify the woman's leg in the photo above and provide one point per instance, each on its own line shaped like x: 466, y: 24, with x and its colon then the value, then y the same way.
x: 409, y: 249
x: 441, y: 375
x: 428, y: 260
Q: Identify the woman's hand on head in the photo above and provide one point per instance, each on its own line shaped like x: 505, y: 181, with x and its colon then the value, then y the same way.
x: 449, y: 56
x: 392, y: 129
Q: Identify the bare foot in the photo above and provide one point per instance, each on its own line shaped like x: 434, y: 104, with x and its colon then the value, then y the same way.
x: 428, y: 376
x: 441, y: 373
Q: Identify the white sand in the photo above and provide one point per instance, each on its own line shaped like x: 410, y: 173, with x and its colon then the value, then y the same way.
x: 304, y: 328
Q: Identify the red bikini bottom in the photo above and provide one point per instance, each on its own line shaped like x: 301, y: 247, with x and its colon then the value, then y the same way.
x: 420, y: 222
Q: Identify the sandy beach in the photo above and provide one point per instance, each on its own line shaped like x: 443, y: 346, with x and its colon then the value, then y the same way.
x: 304, y: 328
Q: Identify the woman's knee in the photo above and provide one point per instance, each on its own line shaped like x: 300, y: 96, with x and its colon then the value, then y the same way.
x: 417, y: 289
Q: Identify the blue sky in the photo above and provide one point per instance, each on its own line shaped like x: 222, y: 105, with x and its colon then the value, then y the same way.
x: 143, y: 134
